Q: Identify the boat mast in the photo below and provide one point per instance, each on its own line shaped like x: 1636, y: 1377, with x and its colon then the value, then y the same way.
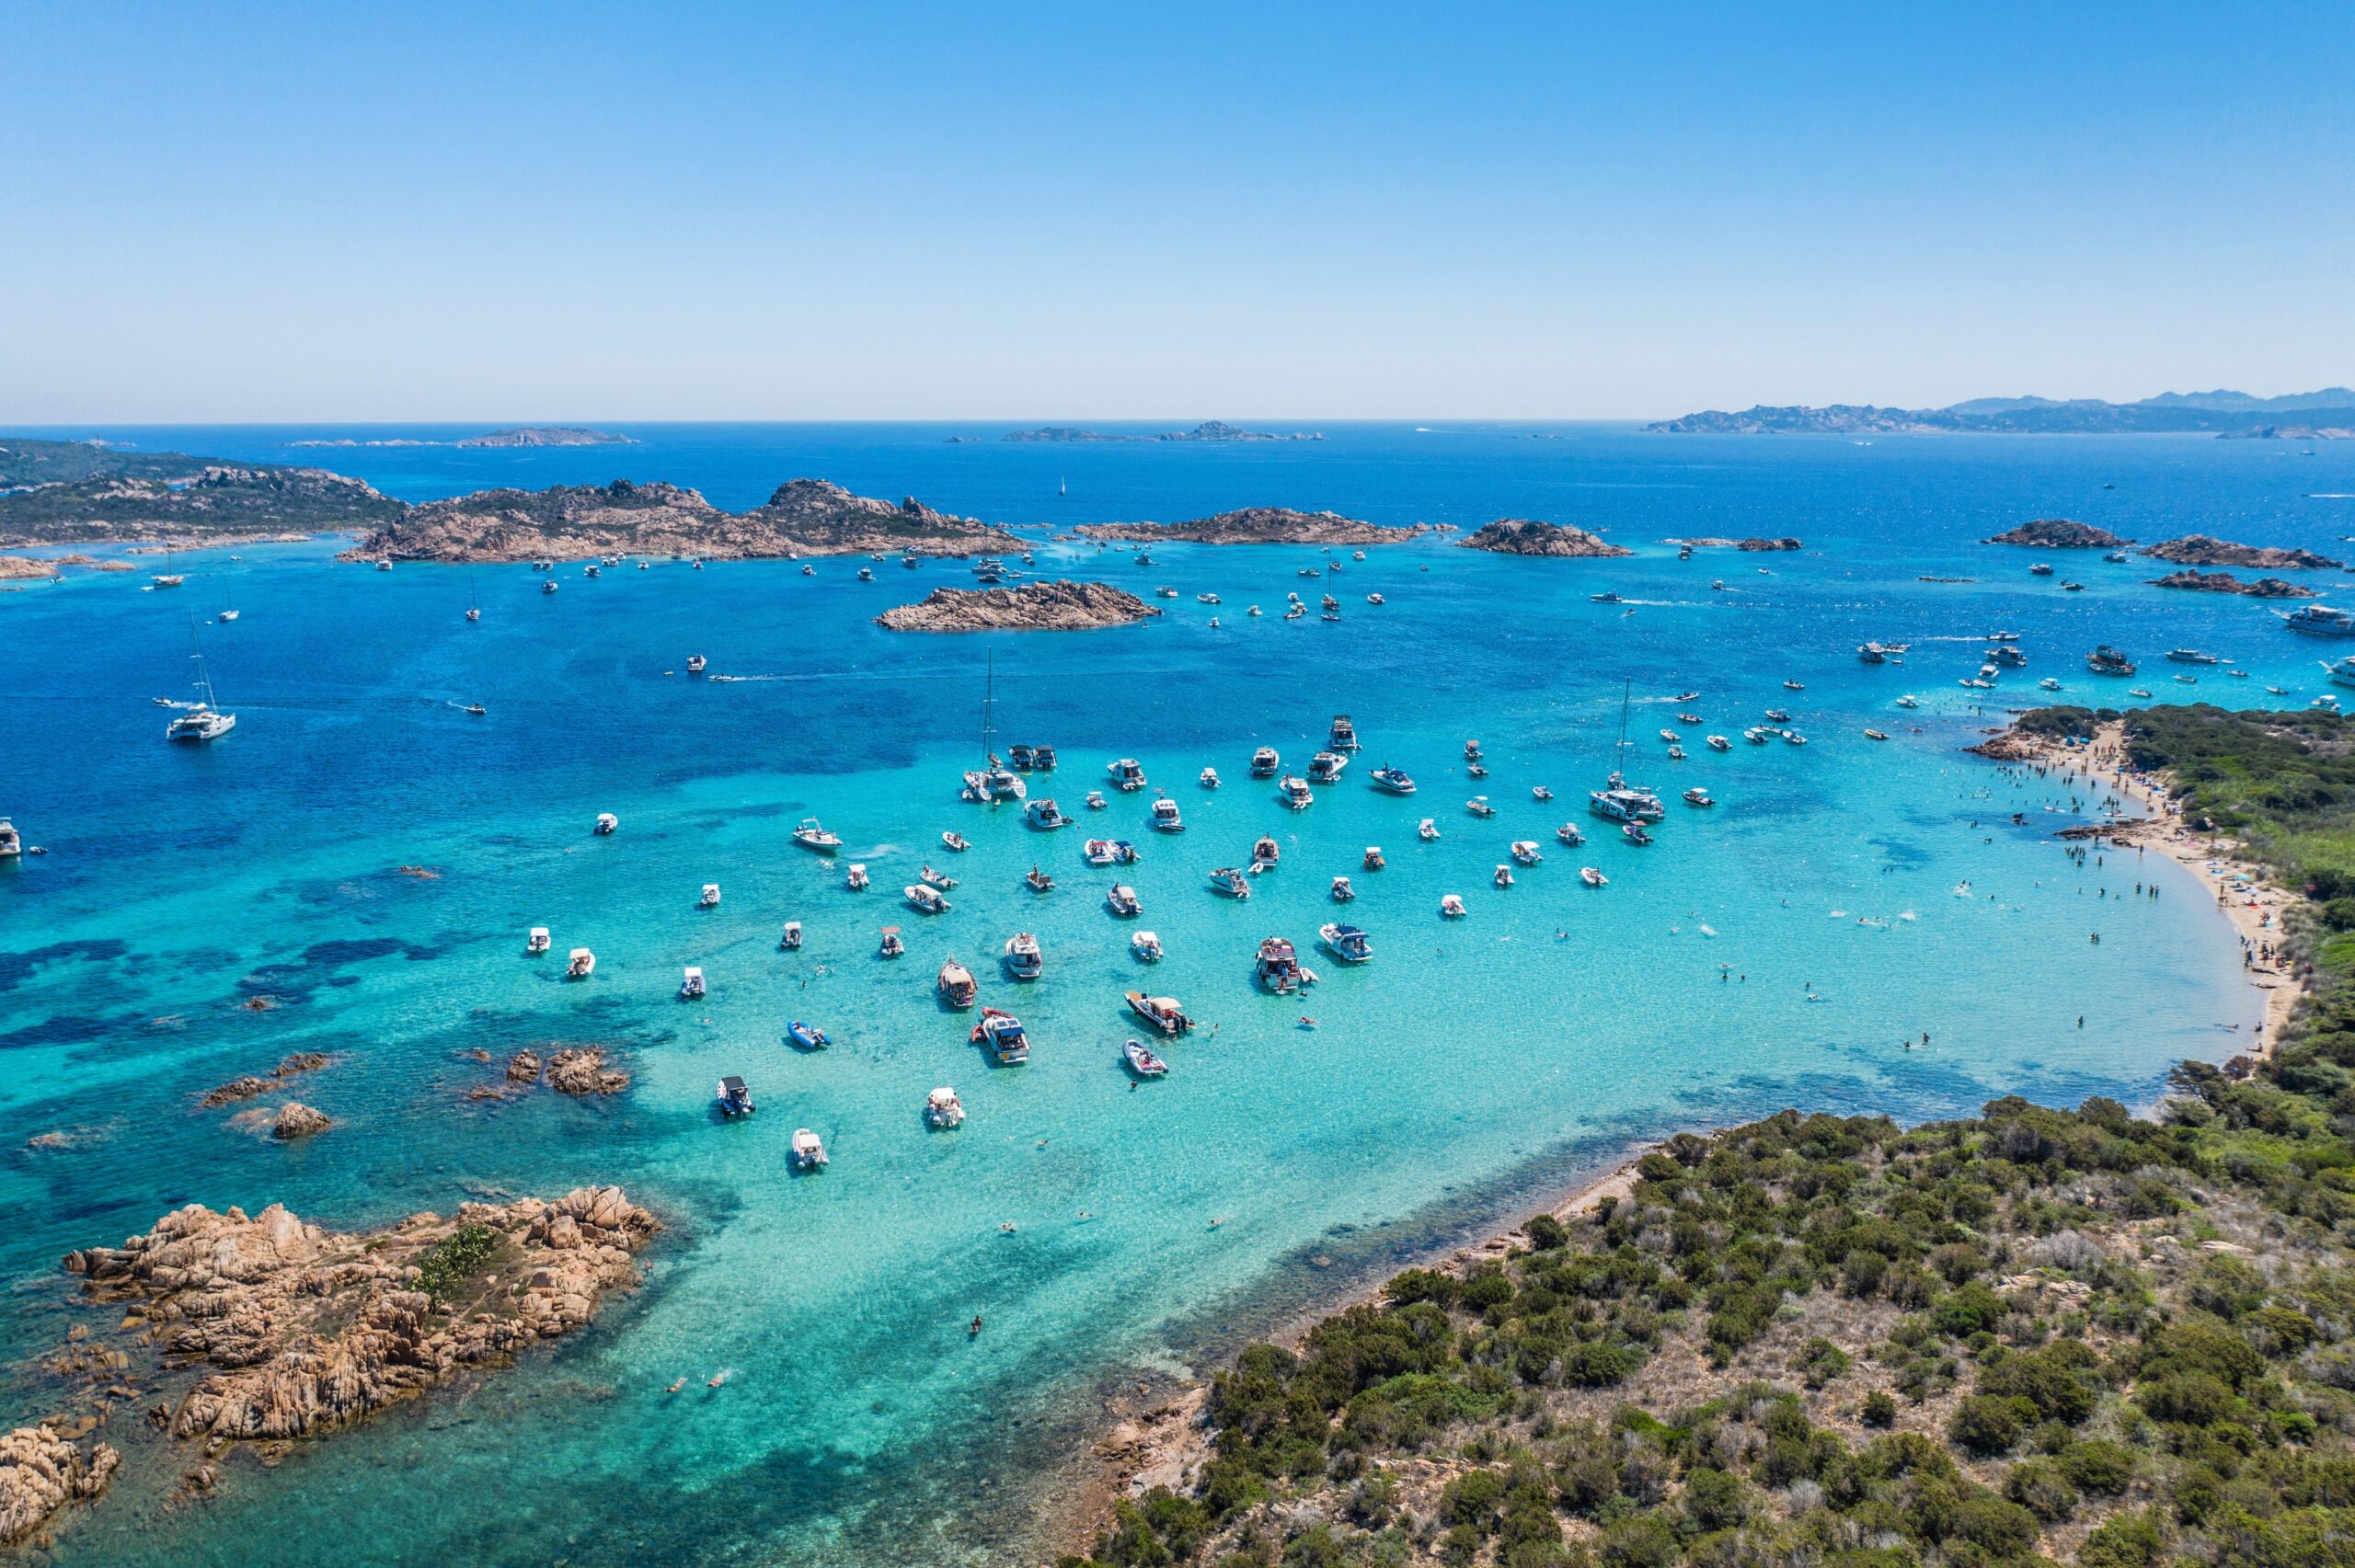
x: 203, y: 681
x: 989, y: 697
x: 1619, y: 759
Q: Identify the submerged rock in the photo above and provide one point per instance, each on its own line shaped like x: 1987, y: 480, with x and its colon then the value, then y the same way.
x: 1035, y: 606
x: 40, y: 1471
x: 1525, y: 536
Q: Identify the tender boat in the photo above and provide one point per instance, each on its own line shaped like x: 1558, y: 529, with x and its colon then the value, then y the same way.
x: 1427, y: 829
x: 695, y: 664
x: 1794, y: 686
x: 1526, y: 852
x: 891, y: 946
x: 866, y: 574
x: 2188, y: 679
x: 1391, y: 780
x: 1451, y: 906
x: 1375, y: 599
x: 1098, y: 852
x: 1688, y: 718
x: 1002, y: 1035
x: 811, y: 835
x: 1342, y: 735
x: 925, y: 898
x: 955, y: 984
x: 1374, y: 860
x: 1696, y: 795
x: 1503, y: 876
x: 1718, y: 743
x: 1293, y: 790
x: 2048, y: 684
x: 1794, y: 737
x: 792, y: 937
x: 1146, y: 946
x: 1634, y: 833
x: 1478, y: 806
x: 1265, y: 852
x: 1778, y: 716
x: 732, y: 1098
x: 1264, y: 763
x: 808, y: 1037
x: 1569, y: 833
x: 856, y: 880
x: 1123, y: 900
x: 1161, y: 1012
x: 1127, y: 773
x: 1592, y: 877
x: 1023, y: 960
x: 535, y: 943
x: 1165, y: 818
x: 549, y: 586
x: 1757, y: 734
x: 942, y: 1109
x: 2041, y: 569
x: 1038, y: 881
x: 1326, y: 767
x: 1471, y: 750
x: 709, y: 900
x: 1208, y: 779
x: 1206, y: 598
x: 956, y: 842
x: 1279, y: 966
x: 1539, y: 792
x: 1676, y: 753
x: 1345, y: 943
x: 808, y: 571
x: 1226, y: 879
x: 809, y: 1153
x: 580, y: 965
x: 1342, y: 891
x: 1045, y: 814
x: 2191, y: 655
x: 2138, y: 692
x: 1907, y: 701
x: 606, y: 822
x: 1876, y: 734
x: 1142, y: 1062
x: 691, y: 983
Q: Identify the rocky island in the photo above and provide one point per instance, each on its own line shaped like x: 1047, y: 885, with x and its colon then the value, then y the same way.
x: 2200, y: 550
x: 548, y: 435
x: 174, y: 498
x: 1033, y: 607
x: 1210, y: 430
x: 18, y: 569
x: 1525, y: 536
x: 2059, y: 533
x: 1753, y: 545
x: 801, y: 517
x: 2225, y: 582
x: 1259, y: 525
x: 292, y: 1330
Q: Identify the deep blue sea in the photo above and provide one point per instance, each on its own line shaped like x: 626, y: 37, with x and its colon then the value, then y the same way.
x: 1773, y: 950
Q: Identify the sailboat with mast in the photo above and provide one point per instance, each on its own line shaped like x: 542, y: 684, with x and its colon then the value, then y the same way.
x: 993, y: 780
x: 206, y: 721
x: 473, y: 599
x: 1620, y: 801
x: 167, y: 578
x: 228, y: 606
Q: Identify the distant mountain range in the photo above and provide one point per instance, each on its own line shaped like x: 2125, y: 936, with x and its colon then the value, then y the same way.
x: 2328, y: 414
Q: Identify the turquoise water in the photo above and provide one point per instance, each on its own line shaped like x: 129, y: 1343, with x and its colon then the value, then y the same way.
x: 1471, y: 1066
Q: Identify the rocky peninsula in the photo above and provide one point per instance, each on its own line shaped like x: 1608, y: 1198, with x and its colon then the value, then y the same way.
x: 801, y: 517
x: 548, y: 435
x: 2225, y: 582
x: 2059, y: 533
x: 1033, y: 607
x: 2200, y: 550
x: 1259, y: 525
x: 1525, y: 536
x: 213, y: 504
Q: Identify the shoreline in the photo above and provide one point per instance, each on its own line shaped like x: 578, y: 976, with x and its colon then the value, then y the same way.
x: 1165, y: 1444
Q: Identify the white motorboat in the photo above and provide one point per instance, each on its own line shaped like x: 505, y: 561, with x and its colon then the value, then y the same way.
x: 695, y: 664
x: 812, y: 835
x: 1719, y: 743
x: 809, y: 1152
x: 942, y: 1108
x: 1342, y: 735
x: 1592, y: 877
x: 1142, y: 1062
x: 1345, y: 943
x: 1045, y: 814
x: 538, y: 941
x: 1391, y: 780
x: 1128, y: 774
x: 1038, y: 881
x: 1451, y: 906
x: 891, y: 946
x: 549, y: 586
x: 1209, y: 779
x: 733, y: 1098
x: 1095, y: 801
x: 1293, y: 790
x: 1907, y: 701
x: 1478, y: 806
x: 1569, y: 833
x: 1374, y: 860
x: 955, y: 984
x: 925, y: 898
x: 792, y: 937
x: 1023, y: 959
x: 1146, y: 946
x: 1502, y: 875
x: 1122, y: 901
x: 580, y: 965
x: 1098, y: 852
x: 1165, y: 817
x: 1696, y: 795
x: 855, y: 879
x: 1265, y: 853
x: 709, y: 900
x: 955, y: 843
x: 691, y: 984
x: 1278, y: 966
x: 1526, y: 852
x: 1161, y: 1012
x: 1342, y: 891
x: 1326, y: 767
x: 1002, y: 1035
x: 1226, y: 879
x: 1634, y: 833
x: 606, y: 823
x: 1427, y: 829
x: 1539, y: 792
x: 1264, y: 763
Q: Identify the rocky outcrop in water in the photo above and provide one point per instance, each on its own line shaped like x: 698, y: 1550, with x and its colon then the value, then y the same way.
x: 296, y: 1119
x: 41, y: 1472
x: 2225, y: 582
x: 583, y: 1070
x: 1525, y: 536
x: 548, y: 435
x: 1259, y: 525
x: 801, y: 517
x: 13, y: 568
x: 2200, y: 550
x: 300, y: 1330
x: 252, y: 1085
x: 2059, y: 533
x: 1033, y: 607
x: 1209, y: 430
x: 1753, y: 545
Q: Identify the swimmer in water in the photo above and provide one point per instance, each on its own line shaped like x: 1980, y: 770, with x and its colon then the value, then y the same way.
x: 674, y: 1388
x: 975, y: 1327
x: 720, y: 1376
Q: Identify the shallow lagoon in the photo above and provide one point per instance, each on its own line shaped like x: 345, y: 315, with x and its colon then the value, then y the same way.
x: 1470, y: 1066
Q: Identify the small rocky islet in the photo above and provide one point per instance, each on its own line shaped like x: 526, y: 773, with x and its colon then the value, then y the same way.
x: 2200, y: 550
x: 2225, y: 582
x: 1527, y: 536
x: 2059, y: 533
x: 292, y: 1330
x: 1259, y: 525
x: 1033, y: 607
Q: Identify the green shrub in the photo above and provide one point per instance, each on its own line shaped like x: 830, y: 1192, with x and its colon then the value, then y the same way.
x: 451, y: 1262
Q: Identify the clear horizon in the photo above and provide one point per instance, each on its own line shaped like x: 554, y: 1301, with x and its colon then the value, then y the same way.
x: 1525, y: 212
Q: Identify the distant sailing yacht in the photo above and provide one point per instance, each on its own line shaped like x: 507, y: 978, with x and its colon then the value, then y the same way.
x: 995, y: 781
x: 474, y: 609
x: 228, y: 605
x: 1062, y: 486
x: 168, y: 579
x: 203, y: 722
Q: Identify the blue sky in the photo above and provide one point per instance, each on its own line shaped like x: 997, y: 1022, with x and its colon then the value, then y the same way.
x: 253, y: 212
